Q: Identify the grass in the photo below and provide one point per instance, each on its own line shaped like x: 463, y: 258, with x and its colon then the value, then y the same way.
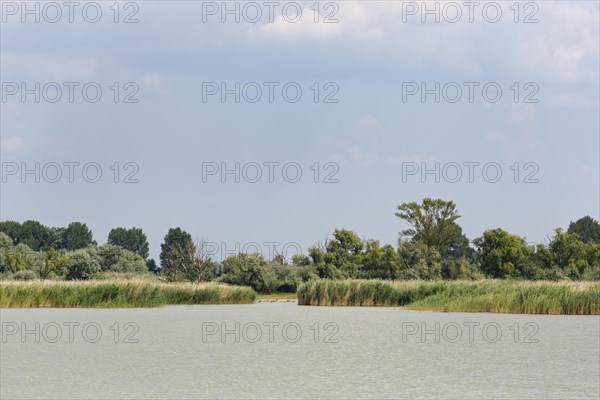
x: 501, y: 296
x: 278, y: 296
x: 118, y: 293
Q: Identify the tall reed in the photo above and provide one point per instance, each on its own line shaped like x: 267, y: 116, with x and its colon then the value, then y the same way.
x: 118, y: 293
x: 540, y: 297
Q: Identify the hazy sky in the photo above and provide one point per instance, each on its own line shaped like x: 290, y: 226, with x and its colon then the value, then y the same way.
x: 368, y: 125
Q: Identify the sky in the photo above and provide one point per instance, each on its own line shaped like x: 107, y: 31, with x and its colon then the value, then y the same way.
x: 283, y: 125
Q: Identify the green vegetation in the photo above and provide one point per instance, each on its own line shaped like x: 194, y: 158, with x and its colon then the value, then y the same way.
x: 118, y: 293
x: 503, y: 296
x: 433, y: 248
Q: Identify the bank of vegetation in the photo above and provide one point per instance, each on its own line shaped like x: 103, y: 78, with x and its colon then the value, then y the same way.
x: 118, y: 293
x: 431, y: 247
x: 501, y: 296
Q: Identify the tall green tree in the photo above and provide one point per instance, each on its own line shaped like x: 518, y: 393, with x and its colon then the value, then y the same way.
x: 132, y: 239
x: 177, y: 252
x: 346, y: 247
x: 586, y: 228
x: 432, y: 222
x: 501, y: 253
x: 77, y: 236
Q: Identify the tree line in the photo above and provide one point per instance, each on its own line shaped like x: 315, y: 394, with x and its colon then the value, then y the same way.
x: 433, y: 247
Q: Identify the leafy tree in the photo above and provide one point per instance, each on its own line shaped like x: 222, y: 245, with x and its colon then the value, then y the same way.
x: 175, y: 241
x: 565, y: 248
x: 151, y: 266
x: 419, y: 261
x: 379, y: 262
x: 132, y: 239
x: 501, y: 253
x: 432, y: 222
x: 77, y: 236
x: 117, y: 259
x: 32, y: 233
x: 12, y: 229
x: 460, y: 268
x: 181, y: 259
x: 5, y: 241
x: 55, y: 264
x: 317, y: 254
x: 35, y: 235
x: 300, y: 260
x: 83, y: 264
x: 19, y: 258
x: 345, y: 247
x: 586, y: 228
x: 245, y: 270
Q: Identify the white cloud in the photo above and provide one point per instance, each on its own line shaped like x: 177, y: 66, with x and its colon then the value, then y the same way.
x: 517, y: 133
x: 12, y: 144
x: 570, y: 100
x: 354, y: 154
x: 360, y: 144
x: 49, y: 67
x: 564, y: 45
x: 418, y: 158
x: 354, y: 20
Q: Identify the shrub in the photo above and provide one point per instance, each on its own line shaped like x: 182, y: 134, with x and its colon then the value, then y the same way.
x: 26, y: 275
x: 117, y: 259
x: 83, y: 264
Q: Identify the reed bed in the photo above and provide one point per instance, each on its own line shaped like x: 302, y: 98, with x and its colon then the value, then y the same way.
x: 119, y: 293
x: 501, y: 296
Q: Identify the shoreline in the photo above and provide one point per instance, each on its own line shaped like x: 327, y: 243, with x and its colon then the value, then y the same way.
x: 485, y: 296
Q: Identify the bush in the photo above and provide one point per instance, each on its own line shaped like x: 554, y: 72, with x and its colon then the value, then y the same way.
x: 117, y: 259
x: 248, y: 270
x: 26, y: 275
x: 83, y: 264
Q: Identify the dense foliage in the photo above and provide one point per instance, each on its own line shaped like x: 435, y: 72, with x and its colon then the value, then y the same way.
x: 434, y: 247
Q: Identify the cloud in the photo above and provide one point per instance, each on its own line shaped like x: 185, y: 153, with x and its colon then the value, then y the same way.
x: 354, y: 154
x: 564, y: 46
x: 350, y: 19
x: 51, y: 67
x: 570, y: 100
x: 12, y: 144
x: 517, y: 132
x: 418, y: 158
x: 359, y: 146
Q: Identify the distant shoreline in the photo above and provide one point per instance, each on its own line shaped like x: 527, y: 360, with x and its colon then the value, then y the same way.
x: 488, y: 296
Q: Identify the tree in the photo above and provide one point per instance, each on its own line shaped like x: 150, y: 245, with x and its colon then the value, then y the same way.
x: 177, y: 253
x: 83, y: 264
x: 55, y: 264
x: 19, y: 258
x: 379, y: 262
x: 245, y: 270
x: 12, y: 229
x: 502, y: 254
x: 419, y: 261
x: 35, y: 235
x: 345, y: 247
x: 117, y: 259
x: 586, y: 228
x: 132, y: 239
x: 32, y: 233
x: 151, y: 266
x: 432, y: 222
x: 77, y: 236
x: 5, y: 241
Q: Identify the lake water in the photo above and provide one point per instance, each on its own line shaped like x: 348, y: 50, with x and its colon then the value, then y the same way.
x: 285, y: 351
